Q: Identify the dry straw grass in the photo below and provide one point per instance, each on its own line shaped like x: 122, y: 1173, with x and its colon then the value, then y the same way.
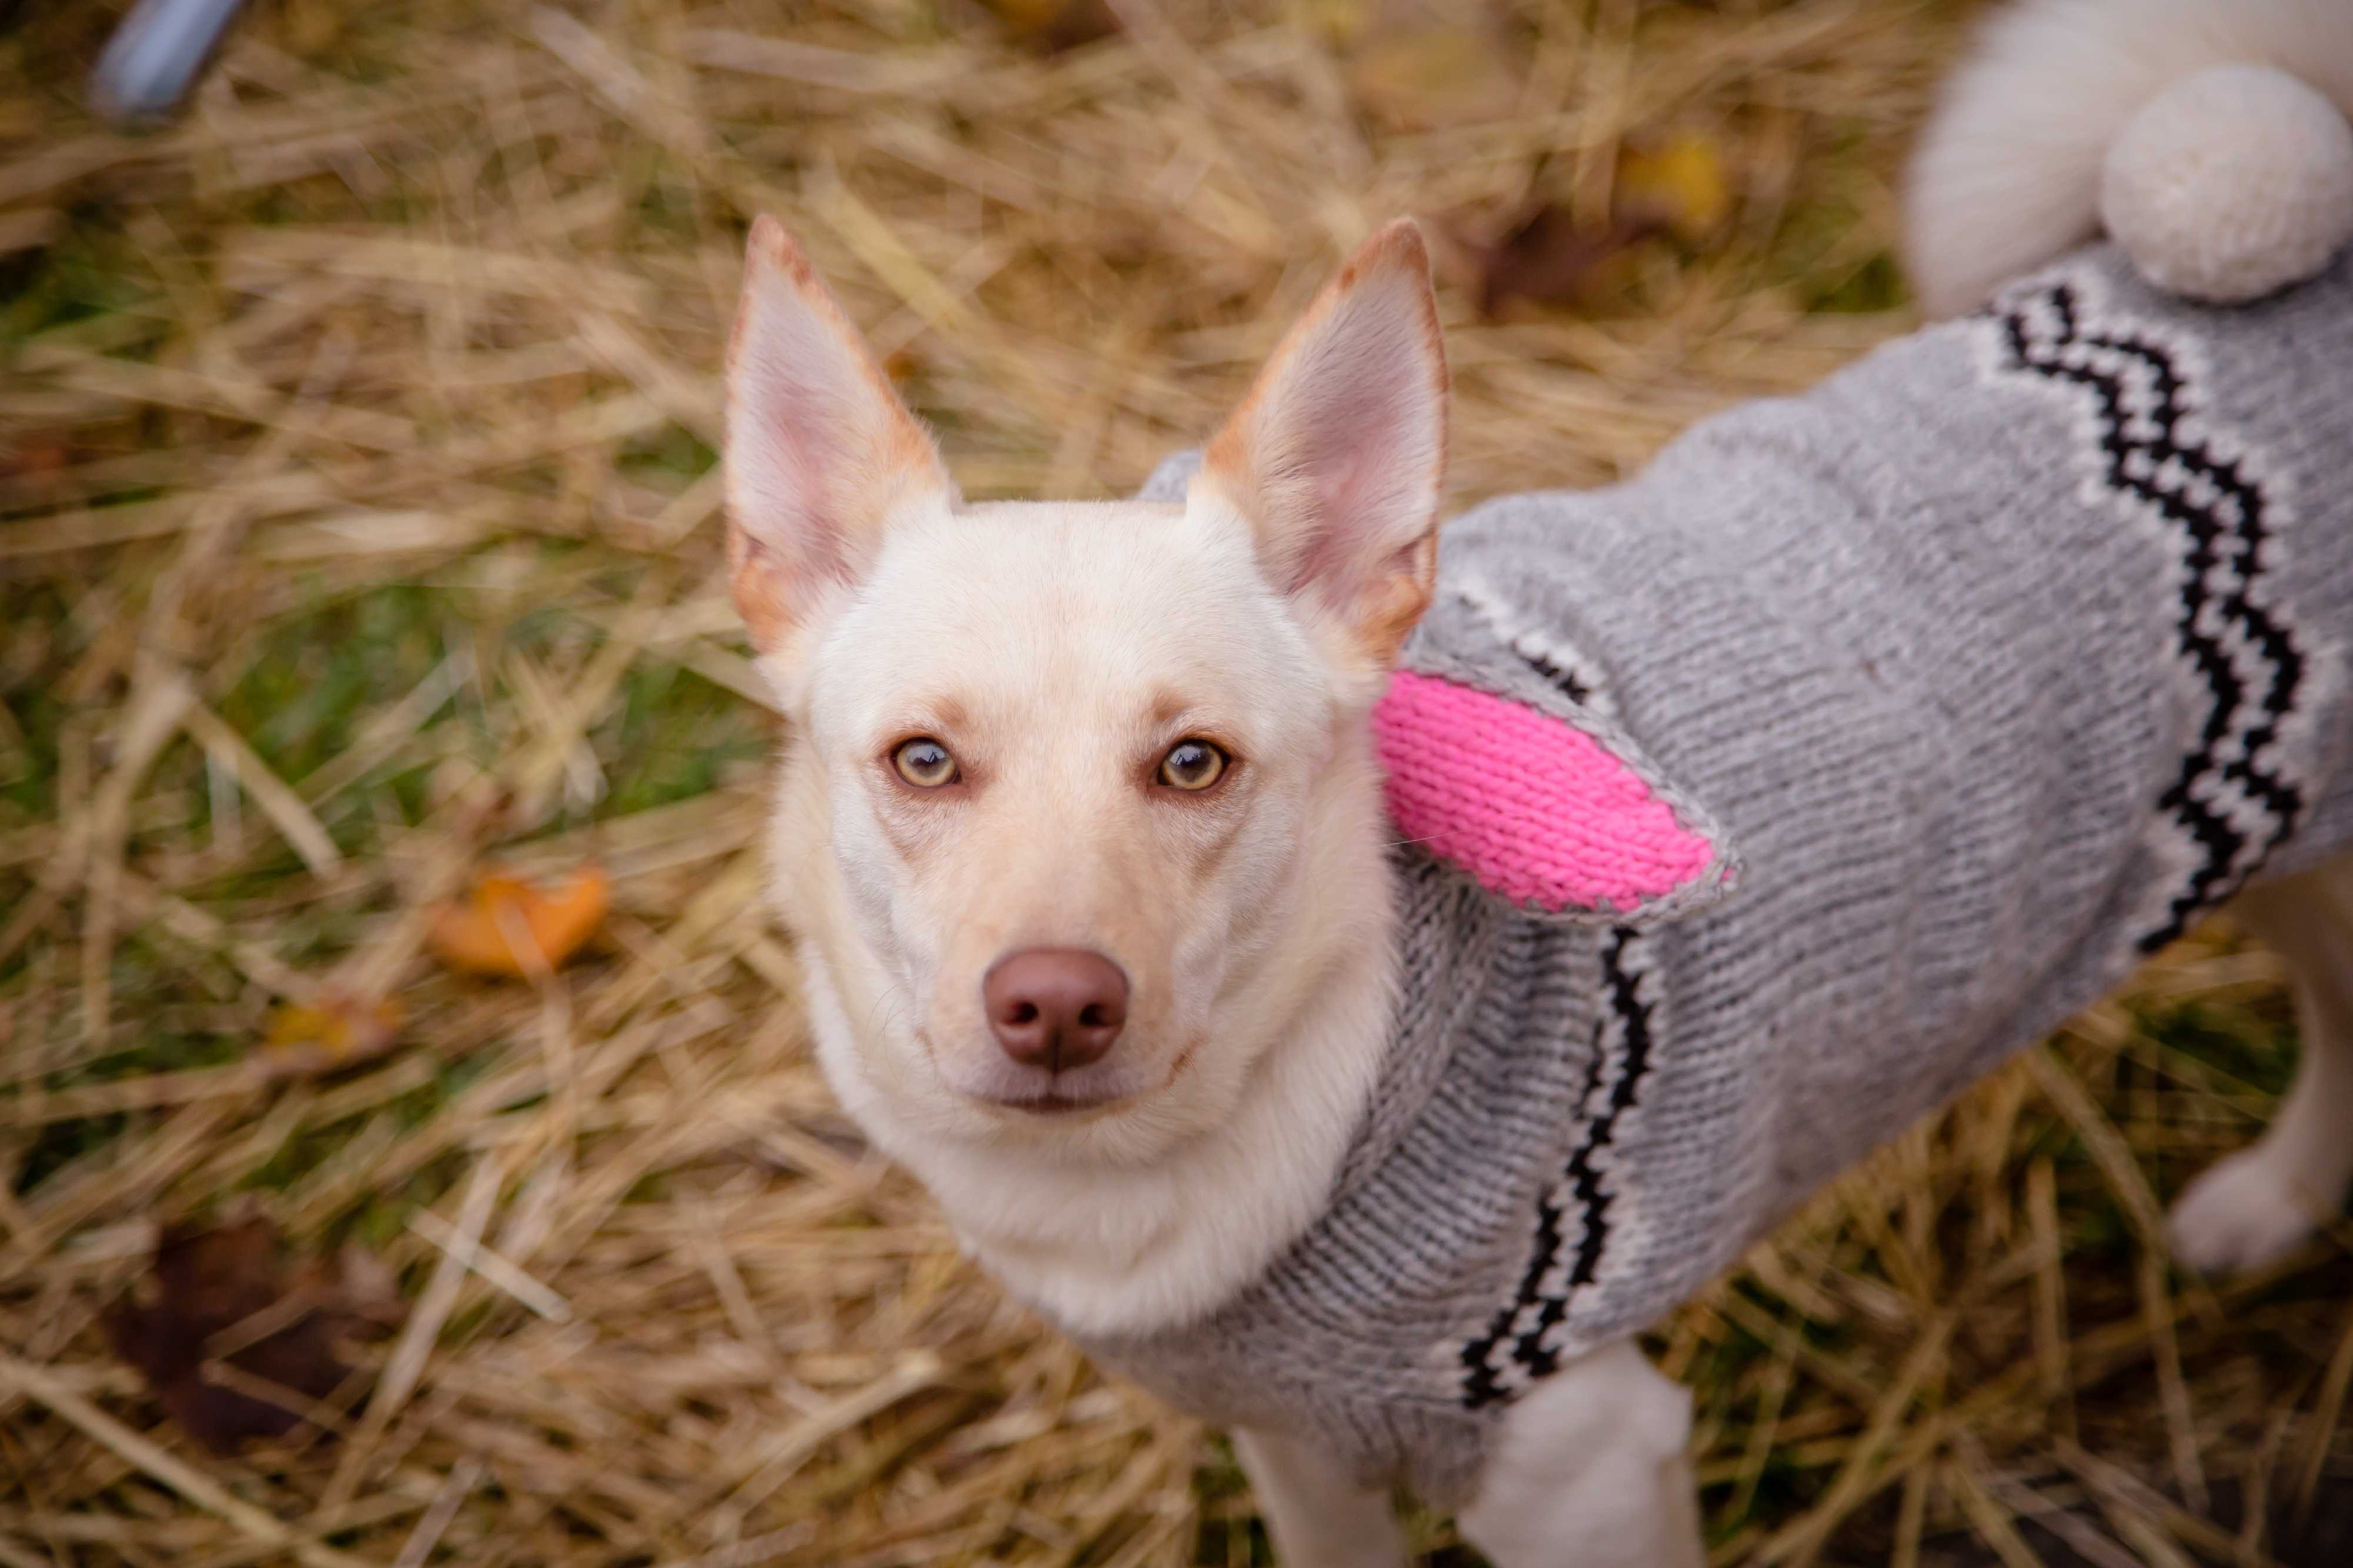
x: 356, y: 438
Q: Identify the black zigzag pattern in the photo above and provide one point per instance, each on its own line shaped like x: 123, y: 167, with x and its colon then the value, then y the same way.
x: 1500, y: 1364
x: 2230, y: 801
x: 1567, y: 681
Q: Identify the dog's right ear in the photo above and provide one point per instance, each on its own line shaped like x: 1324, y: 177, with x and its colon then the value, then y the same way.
x: 821, y: 455
x: 1336, y: 456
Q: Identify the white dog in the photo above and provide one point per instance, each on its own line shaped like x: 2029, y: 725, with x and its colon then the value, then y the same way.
x: 1753, y: 809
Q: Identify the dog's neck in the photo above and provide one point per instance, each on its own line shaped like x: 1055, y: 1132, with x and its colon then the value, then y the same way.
x: 1107, y: 1247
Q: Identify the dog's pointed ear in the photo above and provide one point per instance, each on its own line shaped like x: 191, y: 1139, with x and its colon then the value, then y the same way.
x: 1338, y: 456
x: 821, y: 455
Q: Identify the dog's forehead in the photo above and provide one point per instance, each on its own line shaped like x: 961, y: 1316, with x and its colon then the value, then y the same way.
x: 1110, y: 603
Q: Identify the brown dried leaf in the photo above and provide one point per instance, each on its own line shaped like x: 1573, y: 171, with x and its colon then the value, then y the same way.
x: 1056, y: 24
x: 41, y: 453
x: 220, y: 1301
x: 1676, y: 187
x: 1548, y: 260
x: 508, y: 926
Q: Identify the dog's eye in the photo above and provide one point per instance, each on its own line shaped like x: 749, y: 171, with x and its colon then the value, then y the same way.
x: 1192, y: 765
x: 924, y: 763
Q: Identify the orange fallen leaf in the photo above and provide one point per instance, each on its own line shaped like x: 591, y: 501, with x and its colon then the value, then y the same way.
x: 506, y: 926
x: 335, y: 1033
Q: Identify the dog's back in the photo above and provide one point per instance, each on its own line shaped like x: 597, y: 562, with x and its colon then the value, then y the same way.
x: 1997, y: 659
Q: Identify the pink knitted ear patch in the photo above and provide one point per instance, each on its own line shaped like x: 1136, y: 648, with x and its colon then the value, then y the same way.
x: 1534, y: 808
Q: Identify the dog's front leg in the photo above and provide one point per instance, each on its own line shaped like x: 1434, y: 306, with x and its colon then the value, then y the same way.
x: 1317, y: 1514
x: 1591, y: 1471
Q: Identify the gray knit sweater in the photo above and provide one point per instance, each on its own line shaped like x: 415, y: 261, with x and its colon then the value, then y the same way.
x: 1993, y: 661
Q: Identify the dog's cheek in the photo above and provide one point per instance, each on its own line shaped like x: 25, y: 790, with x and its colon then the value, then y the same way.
x: 1239, y: 900
x: 888, y: 903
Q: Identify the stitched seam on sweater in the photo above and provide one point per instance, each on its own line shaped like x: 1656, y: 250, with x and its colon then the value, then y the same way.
x: 1564, y: 668
x: 2230, y: 799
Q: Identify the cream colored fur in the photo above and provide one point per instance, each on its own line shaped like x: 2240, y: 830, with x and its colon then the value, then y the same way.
x: 1255, y: 943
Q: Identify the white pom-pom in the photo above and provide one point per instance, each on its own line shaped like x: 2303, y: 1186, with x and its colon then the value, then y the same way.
x: 2230, y: 184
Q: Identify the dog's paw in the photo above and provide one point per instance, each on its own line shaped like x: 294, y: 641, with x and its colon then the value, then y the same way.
x: 2247, y: 1211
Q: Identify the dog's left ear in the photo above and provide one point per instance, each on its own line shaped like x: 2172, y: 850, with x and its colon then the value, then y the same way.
x: 821, y: 455
x: 1336, y: 456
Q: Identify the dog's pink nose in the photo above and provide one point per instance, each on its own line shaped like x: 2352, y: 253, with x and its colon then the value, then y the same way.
x: 1055, y: 1007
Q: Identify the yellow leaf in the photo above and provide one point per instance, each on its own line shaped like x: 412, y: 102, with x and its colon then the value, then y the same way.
x: 336, y: 1033
x: 1679, y: 182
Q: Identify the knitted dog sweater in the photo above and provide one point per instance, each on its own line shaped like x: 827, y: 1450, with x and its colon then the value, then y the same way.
x: 1757, y: 805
